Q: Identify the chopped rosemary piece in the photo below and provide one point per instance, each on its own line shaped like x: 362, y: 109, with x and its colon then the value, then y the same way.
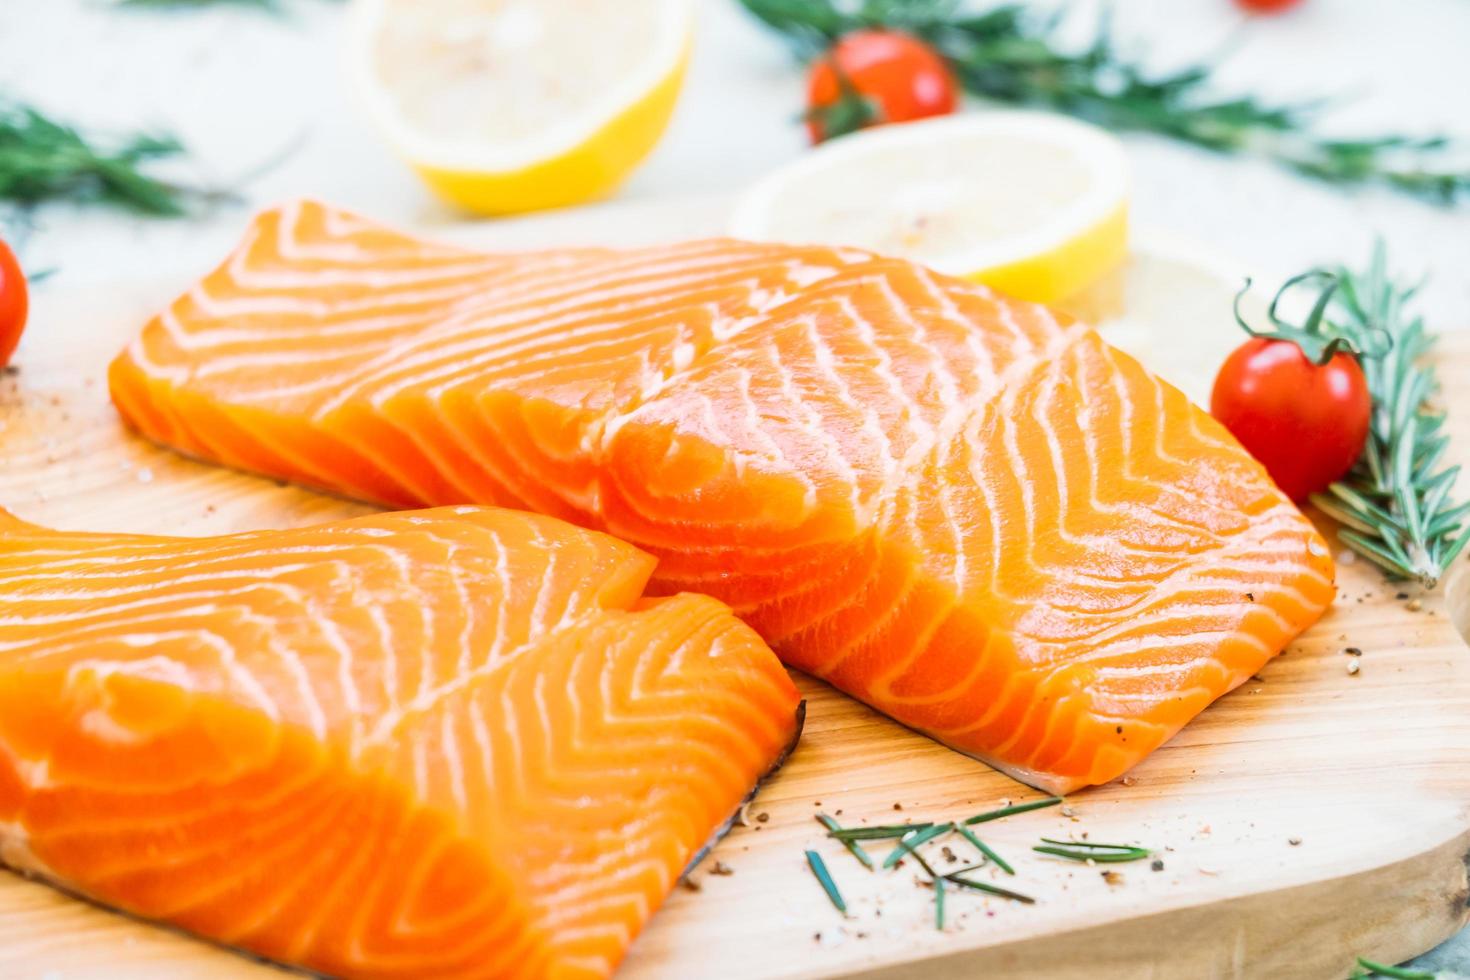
x: 958, y: 879
x: 1007, y: 811
x: 912, y: 840
x: 905, y: 845
x: 909, y: 843
x: 1074, y: 850
x: 878, y: 833
x: 851, y: 844
x: 819, y: 868
x: 1010, y: 53
x: 983, y: 848
x: 939, y: 904
x: 1397, y: 972
x: 1395, y: 503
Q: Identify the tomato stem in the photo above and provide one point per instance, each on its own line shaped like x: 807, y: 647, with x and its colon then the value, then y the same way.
x: 851, y: 112
x: 1317, y: 337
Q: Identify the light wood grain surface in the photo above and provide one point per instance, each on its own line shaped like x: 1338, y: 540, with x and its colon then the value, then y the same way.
x: 1307, y: 818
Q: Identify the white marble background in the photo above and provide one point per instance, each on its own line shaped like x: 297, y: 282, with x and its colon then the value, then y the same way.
x: 239, y: 87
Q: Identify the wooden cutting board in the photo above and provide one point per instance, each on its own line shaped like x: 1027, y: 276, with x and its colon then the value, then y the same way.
x: 1307, y: 818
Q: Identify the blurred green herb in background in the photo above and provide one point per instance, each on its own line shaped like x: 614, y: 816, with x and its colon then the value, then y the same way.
x: 181, y: 4
x: 44, y: 160
x: 273, y: 6
x: 1010, y: 54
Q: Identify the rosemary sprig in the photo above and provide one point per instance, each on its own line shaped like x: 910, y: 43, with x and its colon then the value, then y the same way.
x: 1007, y: 811
x: 853, y: 847
x: 1395, y: 504
x: 819, y: 868
x: 1010, y: 54
x: 43, y: 160
x: 984, y: 848
x: 1088, y: 851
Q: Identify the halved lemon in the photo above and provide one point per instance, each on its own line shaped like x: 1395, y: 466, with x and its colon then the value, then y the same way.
x: 517, y: 105
x: 1033, y: 204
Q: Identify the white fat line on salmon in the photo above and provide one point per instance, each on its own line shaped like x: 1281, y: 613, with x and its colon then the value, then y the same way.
x: 34, y: 773
x: 513, y: 332
x: 152, y: 598
x: 316, y: 318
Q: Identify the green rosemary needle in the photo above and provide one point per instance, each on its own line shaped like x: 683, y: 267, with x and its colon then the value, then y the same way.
x: 886, y: 832
x: 1397, y: 972
x: 912, y: 840
x: 855, y: 849
x: 980, y: 886
x: 271, y: 5
x: 819, y: 868
x: 908, y: 844
x: 1007, y: 811
x: 1088, y: 851
x: 905, y: 845
x: 938, y: 903
x: 984, y: 848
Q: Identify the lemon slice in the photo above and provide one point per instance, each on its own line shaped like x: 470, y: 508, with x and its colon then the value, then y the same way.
x: 517, y: 105
x: 1032, y: 204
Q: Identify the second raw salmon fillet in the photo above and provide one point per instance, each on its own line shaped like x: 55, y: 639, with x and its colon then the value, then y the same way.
x: 981, y: 520
x: 456, y: 743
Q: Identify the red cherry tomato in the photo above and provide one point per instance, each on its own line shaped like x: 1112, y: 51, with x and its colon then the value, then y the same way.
x: 1305, y: 422
x: 1267, y: 6
x: 874, y: 77
x: 14, y: 303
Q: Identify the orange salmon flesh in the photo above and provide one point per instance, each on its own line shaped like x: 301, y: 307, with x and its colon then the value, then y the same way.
x: 448, y: 743
x: 978, y: 518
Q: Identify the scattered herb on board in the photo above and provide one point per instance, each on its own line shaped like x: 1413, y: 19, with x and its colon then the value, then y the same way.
x: 886, y: 832
x: 1395, y: 503
x: 819, y: 868
x: 984, y: 848
x: 1074, y: 850
x: 1007, y: 811
x: 853, y: 847
x: 958, y: 878
x: 909, y: 841
x: 45, y: 160
x: 1012, y: 54
x: 911, y: 836
x: 938, y: 903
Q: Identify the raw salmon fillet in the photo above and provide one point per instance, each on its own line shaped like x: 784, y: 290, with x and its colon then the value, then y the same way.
x: 980, y: 520
x: 449, y: 743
